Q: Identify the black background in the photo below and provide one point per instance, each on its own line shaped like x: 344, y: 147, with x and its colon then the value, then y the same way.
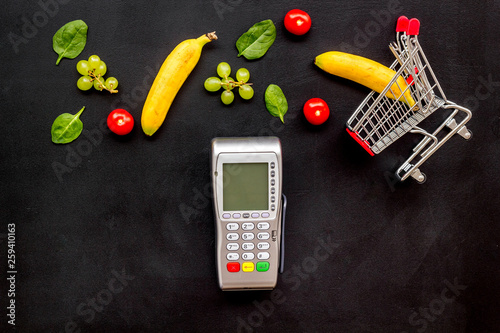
x: 139, y: 207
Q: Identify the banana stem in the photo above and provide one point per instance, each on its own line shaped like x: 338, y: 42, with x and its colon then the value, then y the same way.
x: 211, y: 35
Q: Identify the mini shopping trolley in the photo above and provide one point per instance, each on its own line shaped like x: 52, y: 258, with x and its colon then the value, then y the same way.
x: 379, y: 120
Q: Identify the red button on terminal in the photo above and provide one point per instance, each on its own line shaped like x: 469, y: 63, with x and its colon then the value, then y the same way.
x: 233, y: 267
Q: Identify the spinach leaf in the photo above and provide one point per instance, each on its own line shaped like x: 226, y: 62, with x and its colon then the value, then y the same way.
x: 70, y: 40
x: 254, y: 43
x: 276, y: 102
x: 67, y: 127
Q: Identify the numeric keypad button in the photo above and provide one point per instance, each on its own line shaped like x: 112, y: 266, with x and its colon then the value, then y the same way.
x: 232, y: 246
x: 247, y: 246
x: 247, y: 226
x: 232, y: 226
x: 232, y: 236
x: 248, y: 256
x: 263, y: 235
x: 247, y: 236
x: 263, y: 225
x: 263, y: 245
x: 263, y: 255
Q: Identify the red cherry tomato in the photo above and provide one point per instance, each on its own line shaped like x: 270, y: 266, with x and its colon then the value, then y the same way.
x: 297, y: 21
x: 316, y: 111
x: 120, y: 122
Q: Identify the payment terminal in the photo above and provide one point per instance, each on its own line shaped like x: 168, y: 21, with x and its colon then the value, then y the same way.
x: 249, y: 211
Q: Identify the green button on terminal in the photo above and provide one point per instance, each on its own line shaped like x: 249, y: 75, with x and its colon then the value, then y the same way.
x: 262, y: 266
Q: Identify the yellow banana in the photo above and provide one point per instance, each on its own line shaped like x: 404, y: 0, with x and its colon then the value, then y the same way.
x: 174, y: 71
x: 364, y: 71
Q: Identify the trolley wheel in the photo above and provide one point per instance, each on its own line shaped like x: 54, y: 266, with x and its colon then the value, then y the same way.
x: 422, y: 178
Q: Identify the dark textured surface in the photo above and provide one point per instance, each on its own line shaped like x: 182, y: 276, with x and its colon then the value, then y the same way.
x: 112, y: 231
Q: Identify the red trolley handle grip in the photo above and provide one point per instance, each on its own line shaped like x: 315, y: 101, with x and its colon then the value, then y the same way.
x: 402, y: 24
x: 413, y: 27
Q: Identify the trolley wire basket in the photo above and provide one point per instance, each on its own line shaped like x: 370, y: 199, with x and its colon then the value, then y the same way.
x: 415, y: 94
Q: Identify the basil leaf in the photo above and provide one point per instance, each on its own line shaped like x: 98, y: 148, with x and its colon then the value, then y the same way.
x: 70, y: 40
x: 276, y: 102
x: 254, y: 43
x: 67, y: 127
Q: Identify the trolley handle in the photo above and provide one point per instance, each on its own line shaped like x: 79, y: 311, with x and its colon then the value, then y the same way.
x: 402, y: 24
x: 413, y: 27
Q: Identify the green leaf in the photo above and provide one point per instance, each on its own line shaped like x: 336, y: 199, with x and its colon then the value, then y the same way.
x: 254, y: 43
x: 276, y: 102
x: 69, y: 41
x: 67, y: 127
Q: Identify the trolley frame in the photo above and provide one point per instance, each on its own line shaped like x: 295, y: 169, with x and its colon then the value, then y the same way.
x: 380, y: 120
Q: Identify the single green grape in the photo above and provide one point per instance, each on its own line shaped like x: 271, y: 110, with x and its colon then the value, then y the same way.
x: 99, y: 86
x: 94, y: 62
x: 83, y: 67
x: 102, y: 69
x: 212, y: 84
x: 223, y: 69
x: 227, y: 97
x: 242, y: 75
x: 84, y: 83
x: 246, y: 91
x: 226, y: 85
x: 111, y: 83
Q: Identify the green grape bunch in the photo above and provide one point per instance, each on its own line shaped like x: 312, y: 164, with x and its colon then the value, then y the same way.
x: 224, y: 81
x: 92, y: 71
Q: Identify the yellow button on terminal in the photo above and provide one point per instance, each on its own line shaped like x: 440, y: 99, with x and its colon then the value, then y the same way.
x: 247, y: 266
